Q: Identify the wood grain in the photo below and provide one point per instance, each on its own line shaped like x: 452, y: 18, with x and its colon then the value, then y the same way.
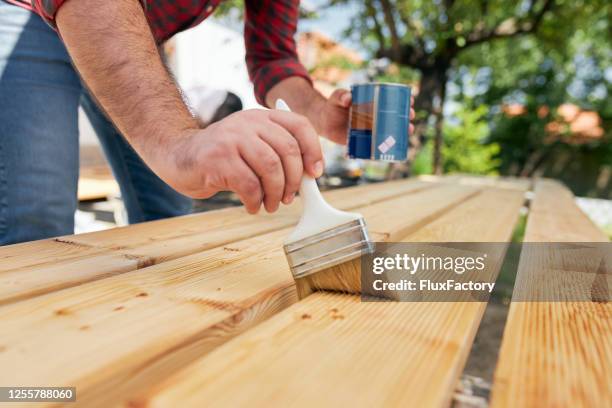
x: 32, y: 269
x: 333, y: 350
x: 554, y: 353
x: 136, y: 328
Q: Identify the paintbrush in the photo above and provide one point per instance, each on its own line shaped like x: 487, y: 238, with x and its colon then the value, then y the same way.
x: 324, y: 249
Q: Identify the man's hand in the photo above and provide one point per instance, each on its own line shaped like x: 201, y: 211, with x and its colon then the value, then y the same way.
x: 330, y: 116
x: 334, y: 115
x: 258, y: 154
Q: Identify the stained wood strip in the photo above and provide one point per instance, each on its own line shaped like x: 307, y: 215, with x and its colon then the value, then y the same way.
x: 33, y: 269
x: 128, y: 330
x: 333, y: 350
x: 554, y: 353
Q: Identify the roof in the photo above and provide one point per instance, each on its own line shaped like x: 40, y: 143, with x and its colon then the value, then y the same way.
x: 573, y: 124
x: 326, y: 59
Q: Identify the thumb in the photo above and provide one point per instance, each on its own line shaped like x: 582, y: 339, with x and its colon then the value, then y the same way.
x: 341, y: 97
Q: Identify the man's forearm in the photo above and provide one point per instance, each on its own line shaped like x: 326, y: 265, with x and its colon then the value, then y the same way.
x: 300, y: 96
x: 113, y: 49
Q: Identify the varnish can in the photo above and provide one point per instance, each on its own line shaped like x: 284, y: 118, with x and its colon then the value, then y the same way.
x: 379, y: 119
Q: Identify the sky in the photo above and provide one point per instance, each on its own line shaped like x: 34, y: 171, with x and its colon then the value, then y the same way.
x: 331, y: 21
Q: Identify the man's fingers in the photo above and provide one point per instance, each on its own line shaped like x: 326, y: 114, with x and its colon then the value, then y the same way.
x: 266, y: 164
x: 288, y: 149
x: 341, y: 97
x: 306, y: 136
x: 246, y: 184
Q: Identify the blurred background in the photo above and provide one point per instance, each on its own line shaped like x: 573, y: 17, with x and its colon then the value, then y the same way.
x: 504, y: 88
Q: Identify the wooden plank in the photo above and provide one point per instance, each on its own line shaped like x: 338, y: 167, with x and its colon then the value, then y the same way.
x: 143, y: 234
x: 555, y: 217
x: 134, y: 329
x: 144, y: 239
x: 511, y: 183
x: 554, y: 353
x: 20, y: 284
x: 96, y: 180
x: 96, y: 189
x: 40, y: 252
x: 333, y: 350
x: 33, y: 269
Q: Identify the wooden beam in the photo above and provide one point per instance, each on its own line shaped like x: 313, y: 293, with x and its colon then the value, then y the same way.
x: 32, y: 269
x: 108, y: 336
x: 554, y: 353
x: 332, y: 349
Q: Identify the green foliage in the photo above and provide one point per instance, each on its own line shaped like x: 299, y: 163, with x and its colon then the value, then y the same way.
x: 399, y: 75
x: 227, y: 5
x: 423, y: 163
x: 465, y: 149
x: 541, y: 74
x: 338, y: 61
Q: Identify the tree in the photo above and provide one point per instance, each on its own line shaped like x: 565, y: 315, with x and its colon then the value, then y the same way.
x: 430, y: 37
x: 566, y: 64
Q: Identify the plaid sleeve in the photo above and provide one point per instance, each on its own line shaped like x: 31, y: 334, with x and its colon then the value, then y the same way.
x: 47, y: 9
x: 271, y: 54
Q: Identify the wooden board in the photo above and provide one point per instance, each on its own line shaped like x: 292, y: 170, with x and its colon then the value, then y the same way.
x: 32, y: 269
x: 510, y: 183
x: 333, y: 350
x: 114, y: 335
x: 554, y: 353
x: 148, y: 239
x: 96, y: 189
x: 96, y: 179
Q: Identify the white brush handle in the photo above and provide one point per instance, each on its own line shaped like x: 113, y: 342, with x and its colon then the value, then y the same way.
x: 318, y: 215
x: 310, y: 194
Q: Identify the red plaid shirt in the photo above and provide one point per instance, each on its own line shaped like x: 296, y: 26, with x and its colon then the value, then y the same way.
x: 269, y: 29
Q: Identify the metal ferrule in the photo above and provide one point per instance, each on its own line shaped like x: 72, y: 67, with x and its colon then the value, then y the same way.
x: 328, y: 248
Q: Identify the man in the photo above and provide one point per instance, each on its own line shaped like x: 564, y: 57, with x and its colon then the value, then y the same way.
x: 147, y: 132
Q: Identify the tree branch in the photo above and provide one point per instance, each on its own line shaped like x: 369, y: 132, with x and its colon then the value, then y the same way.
x: 448, y: 4
x: 484, y: 7
x: 409, y: 55
x: 511, y: 27
x: 371, y: 12
x: 412, y: 28
x: 388, y: 12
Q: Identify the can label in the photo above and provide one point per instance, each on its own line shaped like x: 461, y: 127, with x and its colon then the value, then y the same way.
x: 379, y: 120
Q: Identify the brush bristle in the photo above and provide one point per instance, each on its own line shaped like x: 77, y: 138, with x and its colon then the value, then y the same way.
x: 345, y: 278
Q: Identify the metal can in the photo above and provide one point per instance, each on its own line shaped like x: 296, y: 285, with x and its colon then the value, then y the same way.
x: 379, y: 122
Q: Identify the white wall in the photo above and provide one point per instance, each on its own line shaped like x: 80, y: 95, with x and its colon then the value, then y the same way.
x: 213, y: 55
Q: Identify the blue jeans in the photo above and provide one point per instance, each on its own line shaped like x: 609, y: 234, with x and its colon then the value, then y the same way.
x: 40, y: 93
